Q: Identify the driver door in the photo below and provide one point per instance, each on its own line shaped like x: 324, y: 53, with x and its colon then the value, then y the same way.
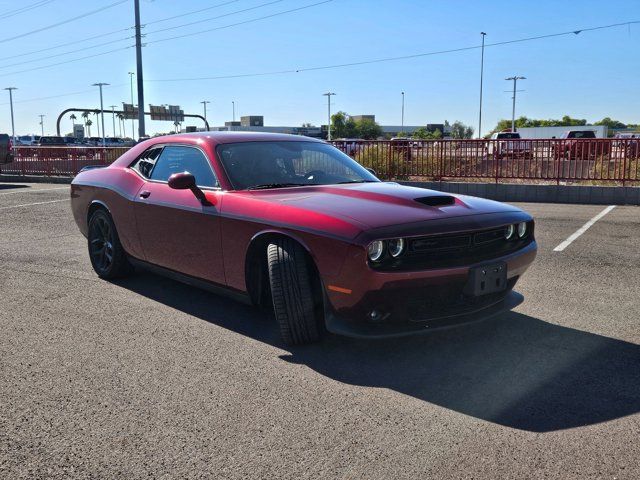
x: 176, y: 231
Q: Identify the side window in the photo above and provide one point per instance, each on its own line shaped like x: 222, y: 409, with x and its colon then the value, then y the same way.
x: 177, y: 159
x: 147, y: 160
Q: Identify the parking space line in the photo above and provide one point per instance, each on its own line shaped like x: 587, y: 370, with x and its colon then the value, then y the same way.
x: 583, y: 229
x: 36, y: 203
x: 34, y: 190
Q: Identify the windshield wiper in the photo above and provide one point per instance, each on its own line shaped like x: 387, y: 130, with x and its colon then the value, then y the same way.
x: 265, y: 186
x: 357, y: 181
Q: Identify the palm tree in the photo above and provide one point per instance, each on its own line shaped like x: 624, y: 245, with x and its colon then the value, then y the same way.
x: 88, y: 124
x: 97, y: 122
x: 120, y: 123
x: 85, y: 117
x: 73, y: 121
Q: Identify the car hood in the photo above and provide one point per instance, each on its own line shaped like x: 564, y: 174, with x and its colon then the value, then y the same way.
x: 376, y: 205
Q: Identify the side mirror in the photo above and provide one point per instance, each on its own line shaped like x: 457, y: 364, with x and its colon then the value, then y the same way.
x: 371, y: 171
x: 186, y: 181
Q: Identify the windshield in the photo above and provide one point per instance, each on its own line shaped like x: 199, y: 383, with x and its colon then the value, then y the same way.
x: 509, y: 136
x: 254, y: 165
x: 582, y: 134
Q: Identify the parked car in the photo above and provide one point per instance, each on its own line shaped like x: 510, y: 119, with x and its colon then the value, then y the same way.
x: 28, y: 140
x: 52, y: 141
x: 629, y: 143
x: 509, y: 145
x: 6, y: 149
x: 72, y: 141
x: 294, y: 224
x: 580, y: 144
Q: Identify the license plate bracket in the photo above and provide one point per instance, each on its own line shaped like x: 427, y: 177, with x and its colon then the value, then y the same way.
x: 486, y: 279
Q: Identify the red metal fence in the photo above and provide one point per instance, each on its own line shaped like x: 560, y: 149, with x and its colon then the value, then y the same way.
x: 614, y: 161
x: 595, y: 161
x: 58, y: 161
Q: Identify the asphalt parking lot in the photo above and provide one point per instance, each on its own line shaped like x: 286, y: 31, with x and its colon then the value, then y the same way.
x: 148, y: 378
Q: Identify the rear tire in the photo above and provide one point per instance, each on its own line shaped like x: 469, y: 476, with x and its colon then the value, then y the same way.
x: 292, y: 292
x: 107, y: 256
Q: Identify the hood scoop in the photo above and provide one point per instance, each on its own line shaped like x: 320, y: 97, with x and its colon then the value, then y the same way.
x: 436, y: 200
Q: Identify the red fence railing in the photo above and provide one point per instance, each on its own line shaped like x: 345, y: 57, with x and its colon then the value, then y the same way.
x: 553, y: 160
x: 606, y: 161
x: 58, y: 161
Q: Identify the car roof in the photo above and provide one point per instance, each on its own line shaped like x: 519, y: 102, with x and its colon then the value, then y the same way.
x: 216, y: 138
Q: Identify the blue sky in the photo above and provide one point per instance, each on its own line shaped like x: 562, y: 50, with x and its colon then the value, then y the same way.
x: 590, y: 75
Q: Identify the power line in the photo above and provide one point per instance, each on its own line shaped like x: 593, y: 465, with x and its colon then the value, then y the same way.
x: 20, y: 10
x: 70, y: 94
x: 190, y: 13
x: 63, y: 22
x: 214, y: 18
x: 238, y: 23
x: 65, y: 53
x: 65, y: 62
x: 403, y: 57
x: 75, y: 42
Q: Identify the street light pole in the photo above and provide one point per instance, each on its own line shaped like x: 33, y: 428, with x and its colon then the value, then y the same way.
x: 402, y: 120
x: 481, y: 78
x: 113, y: 113
x: 204, y: 104
x: 328, y: 95
x: 515, y: 79
x: 42, y: 124
x: 100, y: 85
x: 141, y: 130
x: 133, y: 128
x: 13, y: 128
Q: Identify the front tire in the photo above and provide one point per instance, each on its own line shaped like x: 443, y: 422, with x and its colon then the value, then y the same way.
x: 107, y: 256
x: 292, y: 292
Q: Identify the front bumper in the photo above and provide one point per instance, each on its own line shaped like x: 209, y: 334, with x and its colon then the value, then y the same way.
x: 418, y: 301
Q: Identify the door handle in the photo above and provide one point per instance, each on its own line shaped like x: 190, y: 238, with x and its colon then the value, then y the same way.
x: 145, y: 194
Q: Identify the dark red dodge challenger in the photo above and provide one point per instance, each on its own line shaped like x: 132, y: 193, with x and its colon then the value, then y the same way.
x: 293, y: 224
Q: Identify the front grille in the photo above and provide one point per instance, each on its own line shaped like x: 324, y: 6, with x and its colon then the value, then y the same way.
x: 454, y: 250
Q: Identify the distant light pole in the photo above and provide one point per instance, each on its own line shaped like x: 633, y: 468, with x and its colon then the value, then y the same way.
x: 204, y: 104
x: 515, y: 79
x: 13, y: 129
x: 402, y: 120
x: 42, y: 124
x: 481, y: 77
x: 328, y: 95
x: 133, y: 131
x: 233, y: 105
x: 100, y: 85
x: 113, y: 113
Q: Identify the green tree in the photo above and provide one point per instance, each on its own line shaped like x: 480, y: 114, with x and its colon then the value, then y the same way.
x: 608, y: 122
x: 423, y: 134
x: 368, y: 129
x: 460, y: 130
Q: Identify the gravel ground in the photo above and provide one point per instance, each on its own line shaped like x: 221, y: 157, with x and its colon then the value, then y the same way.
x: 148, y: 378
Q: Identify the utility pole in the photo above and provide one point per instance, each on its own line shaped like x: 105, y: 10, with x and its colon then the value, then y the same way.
x: 515, y: 79
x: 133, y: 128
x: 42, y: 124
x: 100, y: 85
x: 233, y: 105
x: 481, y: 77
x: 141, y: 130
x: 402, y: 120
x: 113, y: 113
x: 13, y: 128
x: 204, y: 104
x: 328, y: 95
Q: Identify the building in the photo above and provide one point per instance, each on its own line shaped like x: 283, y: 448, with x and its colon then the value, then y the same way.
x: 252, y: 121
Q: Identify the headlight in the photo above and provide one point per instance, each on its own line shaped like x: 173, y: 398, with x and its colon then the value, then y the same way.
x: 509, y: 231
x: 375, y: 250
x: 522, y: 229
x: 396, y: 247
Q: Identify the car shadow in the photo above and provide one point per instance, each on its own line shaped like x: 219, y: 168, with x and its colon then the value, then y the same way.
x: 9, y: 186
x: 514, y: 370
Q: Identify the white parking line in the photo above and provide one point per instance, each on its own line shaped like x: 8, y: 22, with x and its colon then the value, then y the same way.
x: 583, y: 229
x: 28, y: 190
x: 37, y: 203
